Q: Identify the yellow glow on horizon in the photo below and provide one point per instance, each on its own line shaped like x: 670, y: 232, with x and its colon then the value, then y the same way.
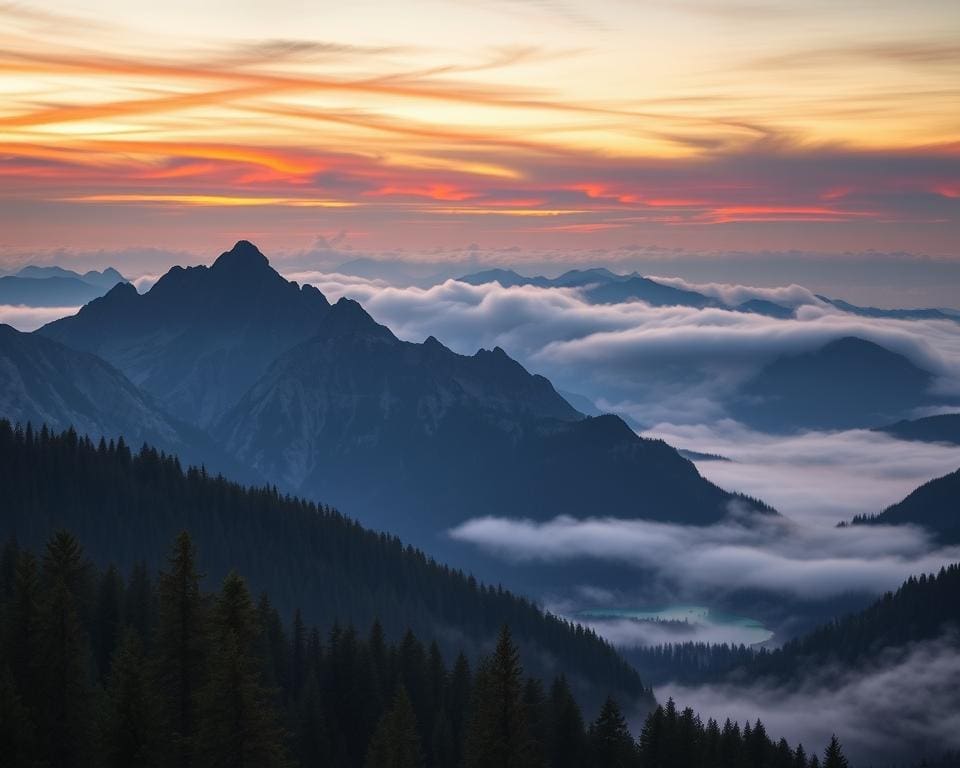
x: 212, y: 200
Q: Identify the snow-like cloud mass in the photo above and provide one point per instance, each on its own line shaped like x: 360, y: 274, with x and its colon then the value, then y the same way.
x: 902, y: 707
x: 770, y: 554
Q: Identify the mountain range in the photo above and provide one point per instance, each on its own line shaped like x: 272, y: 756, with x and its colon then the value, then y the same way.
x: 201, y: 336
x: 601, y: 286
x: 323, y: 401
x: 47, y: 383
x: 35, y: 286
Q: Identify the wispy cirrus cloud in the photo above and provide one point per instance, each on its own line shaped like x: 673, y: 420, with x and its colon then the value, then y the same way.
x: 398, y: 128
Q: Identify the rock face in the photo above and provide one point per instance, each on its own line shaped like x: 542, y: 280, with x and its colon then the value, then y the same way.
x: 324, y: 402
x: 201, y: 336
x: 414, y: 432
x: 44, y: 382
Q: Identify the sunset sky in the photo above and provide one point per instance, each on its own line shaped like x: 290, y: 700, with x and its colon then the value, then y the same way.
x: 751, y: 125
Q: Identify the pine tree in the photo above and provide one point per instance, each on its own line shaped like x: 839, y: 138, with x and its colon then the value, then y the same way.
x: 22, y: 633
x: 800, y: 757
x: 458, y: 703
x: 497, y: 735
x: 396, y: 741
x: 16, y: 727
x: 107, y: 620
x: 833, y: 755
x: 238, y: 724
x: 298, y: 655
x: 132, y: 737
x: 64, y: 657
x: 139, y: 603
x: 611, y: 745
x: 180, y: 649
x: 566, y: 733
x: 313, y: 739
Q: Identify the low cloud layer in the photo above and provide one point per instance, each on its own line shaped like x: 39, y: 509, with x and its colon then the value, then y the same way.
x: 902, y: 707
x: 31, y: 318
x: 655, y: 364
x: 770, y: 554
x: 817, y: 478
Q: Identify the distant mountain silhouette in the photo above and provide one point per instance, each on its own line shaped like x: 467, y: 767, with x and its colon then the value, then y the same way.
x: 896, y: 314
x: 506, y: 277
x: 418, y: 436
x: 944, y: 428
x: 200, y: 336
x: 55, y: 287
x: 105, y: 279
x: 44, y: 382
x: 934, y: 505
x: 766, y: 308
x: 847, y: 383
x: 600, y: 286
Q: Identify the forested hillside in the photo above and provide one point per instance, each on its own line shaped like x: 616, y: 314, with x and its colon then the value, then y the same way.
x: 121, y: 504
x: 935, y: 505
x: 923, y: 608
x: 98, y: 670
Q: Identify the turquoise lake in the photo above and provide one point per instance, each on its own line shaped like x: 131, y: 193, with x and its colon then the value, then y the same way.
x: 740, y: 629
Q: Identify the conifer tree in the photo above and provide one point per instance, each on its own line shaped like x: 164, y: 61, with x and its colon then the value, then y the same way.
x: 238, y: 726
x: 22, y: 635
x: 139, y: 603
x: 833, y: 755
x: 64, y: 657
x: 497, y: 735
x: 458, y: 703
x: 132, y: 736
x: 396, y: 740
x: 16, y: 727
x: 313, y: 738
x: 611, y: 745
x: 800, y: 757
x: 180, y: 649
x: 108, y: 619
x: 566, y: 733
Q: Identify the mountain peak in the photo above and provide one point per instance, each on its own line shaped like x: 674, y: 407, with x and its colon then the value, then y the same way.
x: 244, y: 256
x: 121, y: 291
x: 347, y: 317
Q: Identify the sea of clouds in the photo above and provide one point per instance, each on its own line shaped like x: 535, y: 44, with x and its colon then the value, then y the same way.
x: 653, y: 364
